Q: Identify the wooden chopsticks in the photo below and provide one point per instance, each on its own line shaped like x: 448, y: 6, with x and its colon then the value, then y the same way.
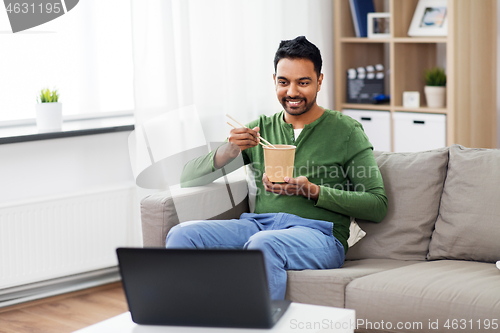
x: 269, y: 143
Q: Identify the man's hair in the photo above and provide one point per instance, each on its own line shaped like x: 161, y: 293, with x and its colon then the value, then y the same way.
x: 299, y: 48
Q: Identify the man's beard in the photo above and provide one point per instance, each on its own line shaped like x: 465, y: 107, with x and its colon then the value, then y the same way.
x: 297, y: 111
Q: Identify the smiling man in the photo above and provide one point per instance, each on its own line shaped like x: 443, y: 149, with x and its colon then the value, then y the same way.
x: 304, y: 222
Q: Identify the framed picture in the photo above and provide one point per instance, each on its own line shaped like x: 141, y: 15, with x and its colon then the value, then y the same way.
x: 430, y: 19
x: 378, y: 25
x: 411, y: 99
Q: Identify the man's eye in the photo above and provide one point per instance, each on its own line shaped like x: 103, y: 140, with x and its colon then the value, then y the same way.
x: 282, y: 83
x: 304, y: 83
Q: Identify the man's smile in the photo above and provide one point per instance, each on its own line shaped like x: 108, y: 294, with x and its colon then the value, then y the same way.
x: 294, y: 102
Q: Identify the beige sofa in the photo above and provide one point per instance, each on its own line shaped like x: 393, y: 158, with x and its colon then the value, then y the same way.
x: 427, y: 267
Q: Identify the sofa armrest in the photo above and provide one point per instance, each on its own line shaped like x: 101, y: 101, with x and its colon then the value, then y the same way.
x: 163, y: 210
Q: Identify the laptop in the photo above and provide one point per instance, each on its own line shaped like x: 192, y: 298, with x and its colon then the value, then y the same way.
x: 213, y: 288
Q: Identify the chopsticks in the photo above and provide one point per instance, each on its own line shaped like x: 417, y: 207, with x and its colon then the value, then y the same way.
x: 269, y: 143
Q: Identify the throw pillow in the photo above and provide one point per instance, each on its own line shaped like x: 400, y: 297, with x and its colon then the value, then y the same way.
x: 413, y: 184
x: 468, y: 226
x: 355, y: 233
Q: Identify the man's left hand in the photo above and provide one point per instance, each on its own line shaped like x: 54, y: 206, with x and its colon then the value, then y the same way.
x: 293, y: 186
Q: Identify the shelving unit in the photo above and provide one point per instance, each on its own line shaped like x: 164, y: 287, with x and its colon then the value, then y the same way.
x: 470, y: 65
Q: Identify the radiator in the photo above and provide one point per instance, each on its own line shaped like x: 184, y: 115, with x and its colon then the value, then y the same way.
x: 61, y: 236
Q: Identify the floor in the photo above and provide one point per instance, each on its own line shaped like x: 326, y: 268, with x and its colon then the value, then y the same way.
x: 65, y: 313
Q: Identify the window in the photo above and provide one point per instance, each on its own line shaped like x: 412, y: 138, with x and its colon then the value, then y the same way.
x: 86, y: 54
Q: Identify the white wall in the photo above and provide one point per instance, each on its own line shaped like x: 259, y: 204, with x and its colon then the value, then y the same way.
x: 53, y: 167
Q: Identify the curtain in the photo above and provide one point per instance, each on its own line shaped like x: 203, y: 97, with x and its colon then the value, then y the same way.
x: 218, y: 55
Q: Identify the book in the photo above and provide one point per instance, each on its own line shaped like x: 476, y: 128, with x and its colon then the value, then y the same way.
x: 359, y: 12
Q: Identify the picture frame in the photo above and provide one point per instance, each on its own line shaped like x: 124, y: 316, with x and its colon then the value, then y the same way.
x: 411, y: 99
x: 429, y: 19
x: 378, y: 25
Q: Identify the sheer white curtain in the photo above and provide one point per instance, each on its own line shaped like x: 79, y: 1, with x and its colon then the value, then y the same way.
x: 218, y: 55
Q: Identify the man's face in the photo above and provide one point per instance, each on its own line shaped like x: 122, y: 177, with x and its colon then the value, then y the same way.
x: 297, y: 85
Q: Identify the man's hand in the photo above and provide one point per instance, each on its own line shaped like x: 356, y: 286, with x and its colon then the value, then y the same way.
x: 239, y: 140
x: 293, y: 186
x: 244, y: 137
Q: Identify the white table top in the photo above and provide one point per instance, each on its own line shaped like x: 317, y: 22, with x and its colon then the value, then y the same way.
x: 298, y: 318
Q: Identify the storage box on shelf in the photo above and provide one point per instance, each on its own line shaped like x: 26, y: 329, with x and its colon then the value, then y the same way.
x: 377, y: 126
x: 468, y: 53
x: 418, y: 131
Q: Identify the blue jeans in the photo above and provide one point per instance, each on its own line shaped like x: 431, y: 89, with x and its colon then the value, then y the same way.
x: 288, y: 242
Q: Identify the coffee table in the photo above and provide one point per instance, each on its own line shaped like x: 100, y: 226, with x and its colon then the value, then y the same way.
x: 298, y: 318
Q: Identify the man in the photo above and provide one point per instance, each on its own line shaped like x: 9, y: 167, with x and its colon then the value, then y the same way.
x: 302, y: 223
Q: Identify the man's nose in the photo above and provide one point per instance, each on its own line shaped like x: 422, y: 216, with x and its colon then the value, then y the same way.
x: 292, y: 90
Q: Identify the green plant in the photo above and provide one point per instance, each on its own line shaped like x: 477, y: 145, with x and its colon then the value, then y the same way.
x: 435, y: 77
x: 47, y: 96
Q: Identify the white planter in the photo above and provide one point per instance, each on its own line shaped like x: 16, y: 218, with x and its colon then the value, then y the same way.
x: 435, y: 96
x: 48, y: 116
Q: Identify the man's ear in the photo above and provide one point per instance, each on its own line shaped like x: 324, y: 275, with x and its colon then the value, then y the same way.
x: 274, y: 78
x: 320, y: 80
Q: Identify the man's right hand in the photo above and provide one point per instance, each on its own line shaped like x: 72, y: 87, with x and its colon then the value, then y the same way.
x: 244, y: 137
x: 239, y: 140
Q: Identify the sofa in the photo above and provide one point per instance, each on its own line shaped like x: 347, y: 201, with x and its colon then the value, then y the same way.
x: 429, y: 266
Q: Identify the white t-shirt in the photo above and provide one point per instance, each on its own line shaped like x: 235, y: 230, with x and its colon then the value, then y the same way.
x: 297, y: 132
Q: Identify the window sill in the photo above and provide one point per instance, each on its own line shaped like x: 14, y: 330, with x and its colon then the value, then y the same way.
x: 70, y: 128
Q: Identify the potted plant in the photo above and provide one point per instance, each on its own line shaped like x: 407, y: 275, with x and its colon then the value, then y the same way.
x: 435, y: 89
x: 48, y: 111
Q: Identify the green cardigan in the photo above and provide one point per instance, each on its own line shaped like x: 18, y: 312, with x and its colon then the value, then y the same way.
x: 332, y: 152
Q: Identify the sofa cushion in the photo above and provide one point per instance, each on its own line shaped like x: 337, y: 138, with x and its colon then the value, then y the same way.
x: 429, y: 291
x: 468, y: 225
x: 413, y: 184
x: 327, y: 286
